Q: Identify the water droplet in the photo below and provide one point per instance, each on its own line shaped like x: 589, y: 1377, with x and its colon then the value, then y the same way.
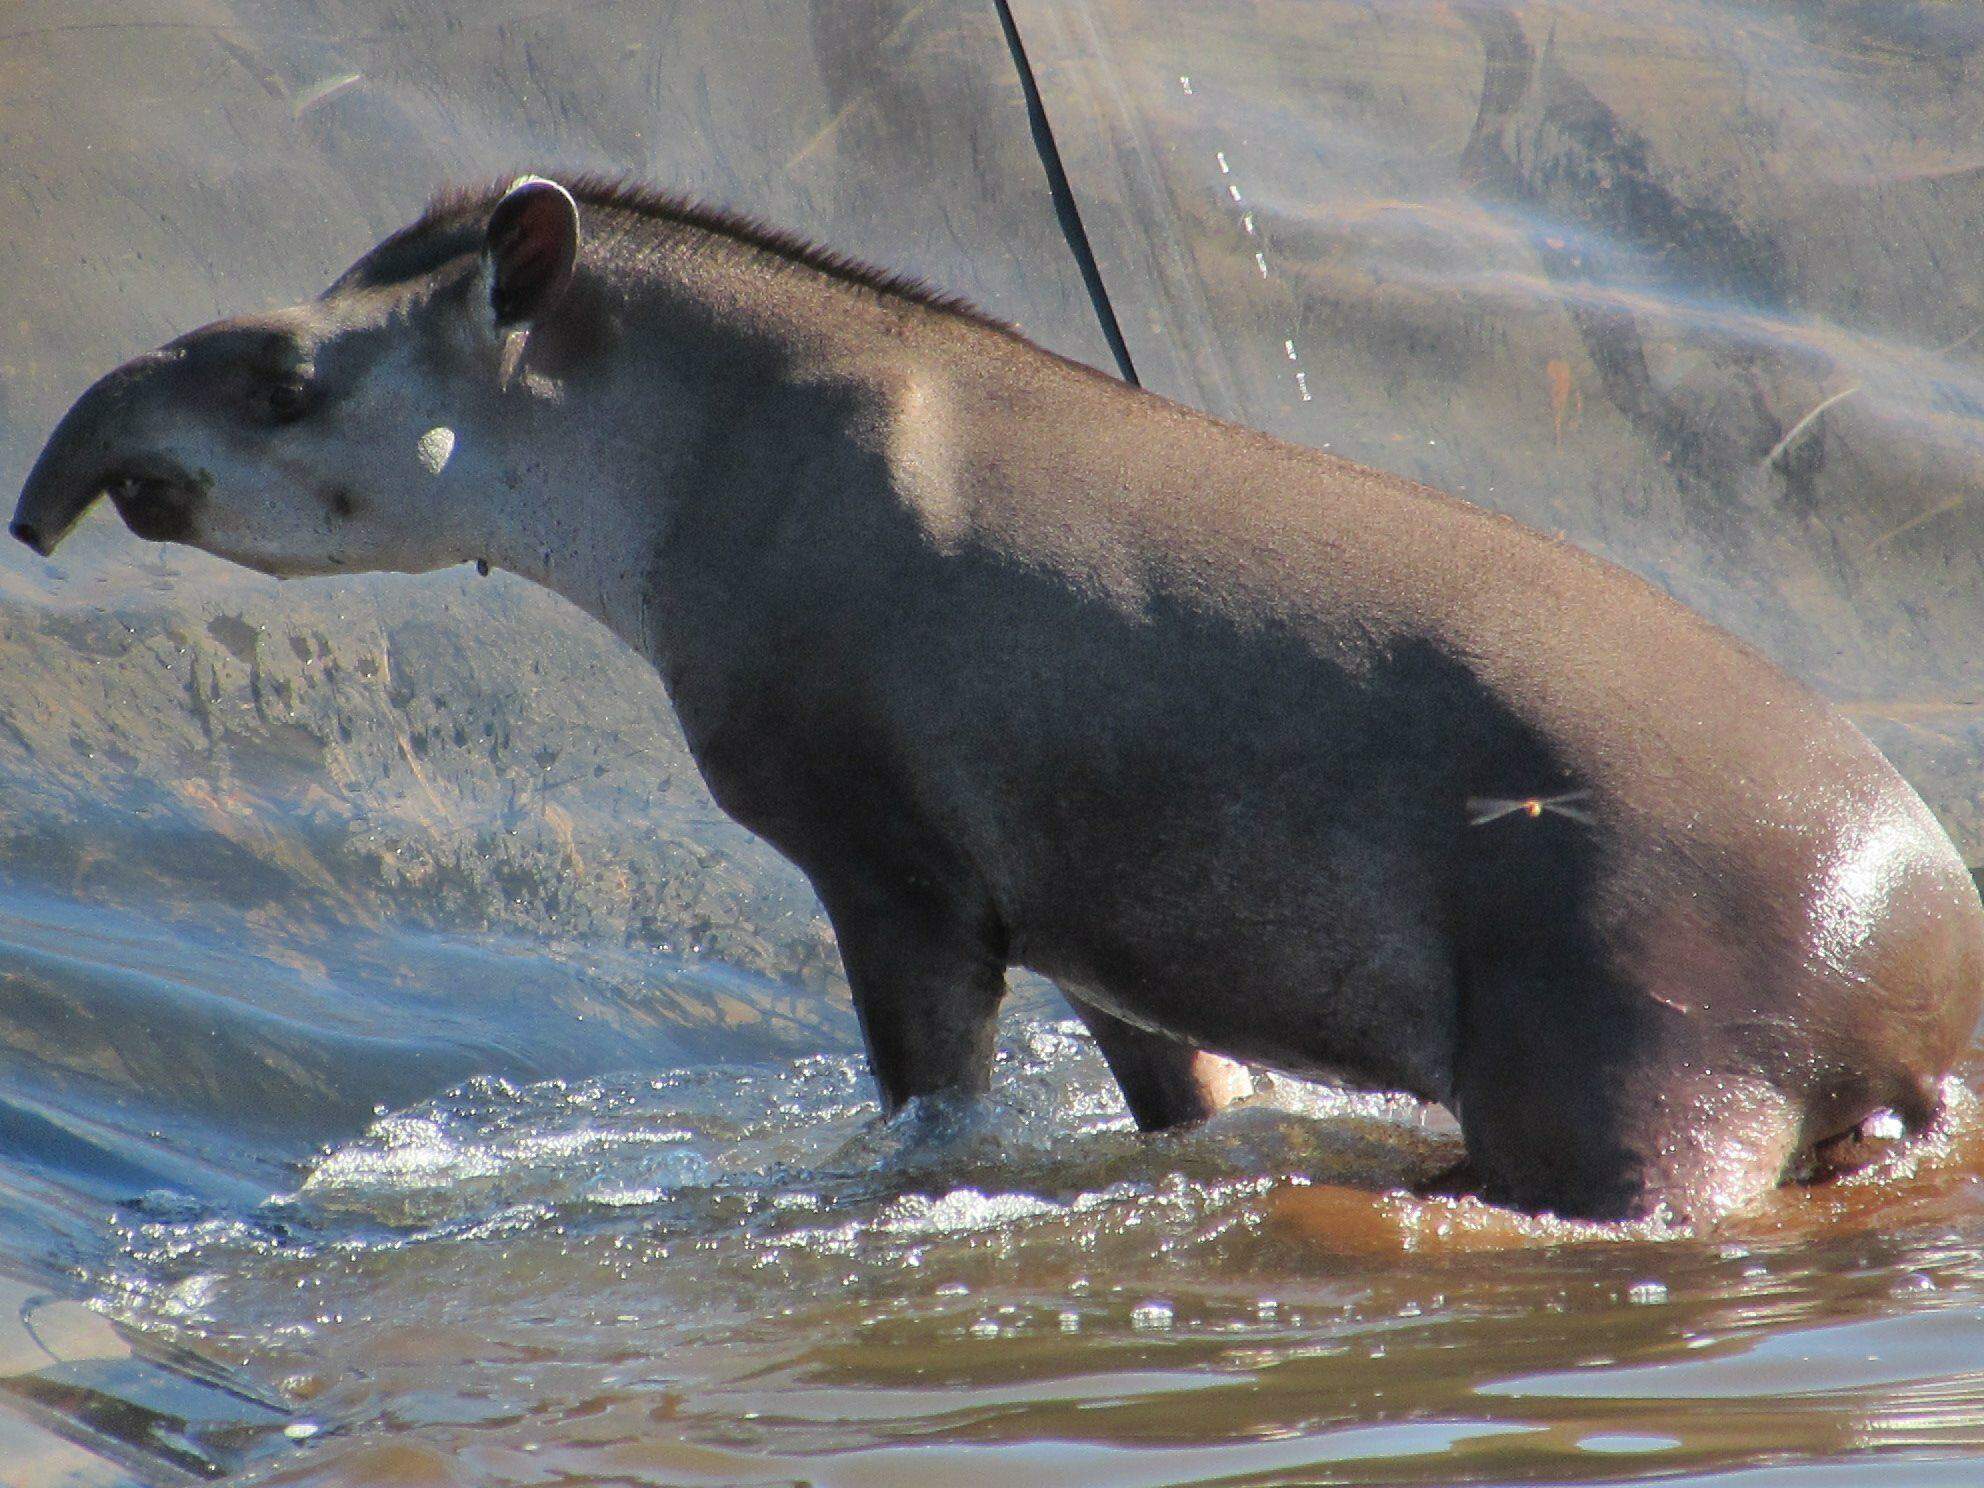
x: 1646, y: 1293
x: 1185, y: 82
x: 1071, y: 1322
x: 985, y: 1327
x: 1151, y: 1317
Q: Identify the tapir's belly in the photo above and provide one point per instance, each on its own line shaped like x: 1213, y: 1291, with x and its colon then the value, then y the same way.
x: 1327, y: 956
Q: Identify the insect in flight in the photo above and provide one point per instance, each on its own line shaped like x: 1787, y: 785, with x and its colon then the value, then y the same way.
x: 1482, y: 810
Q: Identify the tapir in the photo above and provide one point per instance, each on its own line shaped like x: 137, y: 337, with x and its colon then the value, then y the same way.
x: 1264, y: 757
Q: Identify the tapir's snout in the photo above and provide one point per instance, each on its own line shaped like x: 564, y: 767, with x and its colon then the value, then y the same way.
x: 29, y: 534
x: 99, y: 448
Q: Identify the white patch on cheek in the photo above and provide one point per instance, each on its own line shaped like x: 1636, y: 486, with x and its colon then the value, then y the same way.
x: 435, y: 448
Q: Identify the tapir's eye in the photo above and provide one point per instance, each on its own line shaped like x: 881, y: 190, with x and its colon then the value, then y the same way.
x: 282, y: 400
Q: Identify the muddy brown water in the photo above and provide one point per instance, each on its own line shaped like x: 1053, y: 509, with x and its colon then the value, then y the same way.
x: 1086, y: 1312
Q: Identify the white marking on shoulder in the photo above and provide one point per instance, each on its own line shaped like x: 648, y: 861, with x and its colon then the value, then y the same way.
x: 435, y: 449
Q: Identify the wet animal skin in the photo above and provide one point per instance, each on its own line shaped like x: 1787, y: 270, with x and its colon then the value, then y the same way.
x: 1263, y: 756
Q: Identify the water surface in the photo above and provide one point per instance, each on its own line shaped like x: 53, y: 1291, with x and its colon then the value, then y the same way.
x: 728, y: 1270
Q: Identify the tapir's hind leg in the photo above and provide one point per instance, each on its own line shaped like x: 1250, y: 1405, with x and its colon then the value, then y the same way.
x: 1602, y: 1103
x: 1165, y: 1081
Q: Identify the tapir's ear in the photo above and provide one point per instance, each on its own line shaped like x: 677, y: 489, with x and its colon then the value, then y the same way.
x: 533, y: 243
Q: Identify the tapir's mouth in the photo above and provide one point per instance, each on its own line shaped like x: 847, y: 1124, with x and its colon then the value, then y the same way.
x: 157, y: 508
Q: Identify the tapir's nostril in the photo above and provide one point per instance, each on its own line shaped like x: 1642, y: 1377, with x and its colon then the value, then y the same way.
x: 26, y: 533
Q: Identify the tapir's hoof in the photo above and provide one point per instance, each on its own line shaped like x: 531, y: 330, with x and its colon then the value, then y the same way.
x: 1863, y: 1145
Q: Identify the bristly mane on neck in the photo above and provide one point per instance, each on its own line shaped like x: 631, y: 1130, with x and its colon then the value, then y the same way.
x: 453, y: 221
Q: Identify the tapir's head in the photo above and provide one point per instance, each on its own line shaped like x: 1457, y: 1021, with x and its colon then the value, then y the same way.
x: 320, y: 438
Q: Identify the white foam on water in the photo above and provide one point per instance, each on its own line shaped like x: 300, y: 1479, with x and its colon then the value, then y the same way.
x: 962, y: 1211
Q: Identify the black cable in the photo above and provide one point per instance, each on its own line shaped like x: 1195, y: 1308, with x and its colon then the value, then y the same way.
x: 1064, y: 199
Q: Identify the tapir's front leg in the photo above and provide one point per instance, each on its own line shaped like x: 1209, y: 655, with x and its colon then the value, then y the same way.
x: 928, y: 970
